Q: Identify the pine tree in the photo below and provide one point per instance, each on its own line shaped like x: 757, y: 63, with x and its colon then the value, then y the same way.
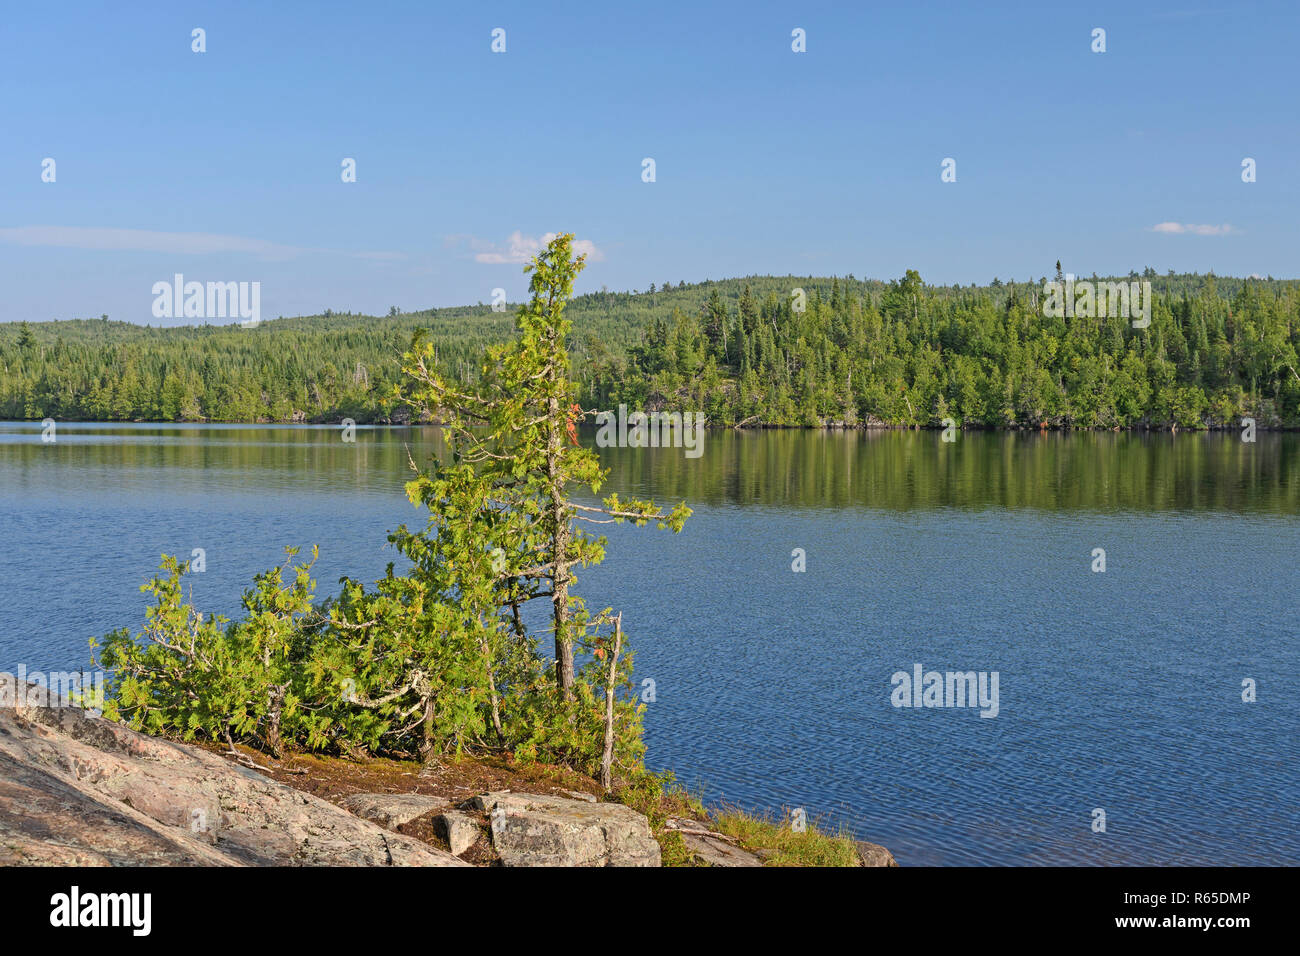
x: 516, y: 431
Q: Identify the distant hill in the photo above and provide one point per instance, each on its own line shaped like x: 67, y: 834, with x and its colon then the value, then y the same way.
x: 741, y: 350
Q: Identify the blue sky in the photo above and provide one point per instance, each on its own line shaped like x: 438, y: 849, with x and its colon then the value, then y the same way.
x: 225, y: 165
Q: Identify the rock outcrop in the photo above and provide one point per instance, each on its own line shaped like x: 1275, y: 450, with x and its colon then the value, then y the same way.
x: 391, y: 810
x: 460, y: 830
x: 80, y: 790
x: 873, y: 854
x: 534, y: 830
x: 709, y: 846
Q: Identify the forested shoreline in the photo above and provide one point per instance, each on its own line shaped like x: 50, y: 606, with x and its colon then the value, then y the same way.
x: 759, y: 351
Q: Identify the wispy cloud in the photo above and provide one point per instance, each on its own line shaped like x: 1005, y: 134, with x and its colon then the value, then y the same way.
x: 185, y: 243
x: 1192, y: 229
x: 520, y: 248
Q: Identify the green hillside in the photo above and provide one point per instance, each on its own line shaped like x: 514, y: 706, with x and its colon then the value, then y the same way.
x: 898, y: 353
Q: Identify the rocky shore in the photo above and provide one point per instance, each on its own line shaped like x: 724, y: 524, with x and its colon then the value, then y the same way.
x: 79, y: 790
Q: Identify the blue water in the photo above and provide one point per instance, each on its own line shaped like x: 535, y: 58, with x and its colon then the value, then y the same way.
x: 1119, y: 691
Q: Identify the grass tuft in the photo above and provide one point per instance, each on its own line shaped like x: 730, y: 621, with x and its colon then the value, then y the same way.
x: 782, y: 846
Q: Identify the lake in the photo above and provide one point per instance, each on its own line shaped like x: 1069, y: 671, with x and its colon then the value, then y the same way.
x: 1118, y: 691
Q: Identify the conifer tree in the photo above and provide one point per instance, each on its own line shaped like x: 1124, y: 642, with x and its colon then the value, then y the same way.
x: 517, y: 431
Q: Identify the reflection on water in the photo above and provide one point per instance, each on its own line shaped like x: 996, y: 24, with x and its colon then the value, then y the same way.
x: 1119, y: 690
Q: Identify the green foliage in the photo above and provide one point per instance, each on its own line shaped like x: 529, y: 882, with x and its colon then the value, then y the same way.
x: 187, y: 675
x: 861, y: 351
x: 659, y: 796
x: 906, y: 354
x: 513, y: 442
x: 437, y: 660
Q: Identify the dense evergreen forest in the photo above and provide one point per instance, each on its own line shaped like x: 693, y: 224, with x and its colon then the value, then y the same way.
x: 740, y: 350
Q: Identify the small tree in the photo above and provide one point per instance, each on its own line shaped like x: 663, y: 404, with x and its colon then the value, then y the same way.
x: 436, y: 659
x: 518, y: 431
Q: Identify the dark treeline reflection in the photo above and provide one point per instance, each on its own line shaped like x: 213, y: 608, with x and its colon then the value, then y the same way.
x: 888, y: 470
x: 904, y: 470
x: 253, y: 457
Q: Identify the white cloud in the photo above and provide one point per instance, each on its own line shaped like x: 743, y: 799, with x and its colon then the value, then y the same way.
x: 521, y: 248
x: 1192, y: 229
x: 143, y: 240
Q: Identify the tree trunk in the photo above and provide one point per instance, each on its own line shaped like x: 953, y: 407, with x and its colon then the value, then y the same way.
x: 559, y: 548
x: 492, y: 692
x: 274, y: 716
x: 274, y: 707
x: 426, y: 744
x: 560, y: 600
x: 607, y: 761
